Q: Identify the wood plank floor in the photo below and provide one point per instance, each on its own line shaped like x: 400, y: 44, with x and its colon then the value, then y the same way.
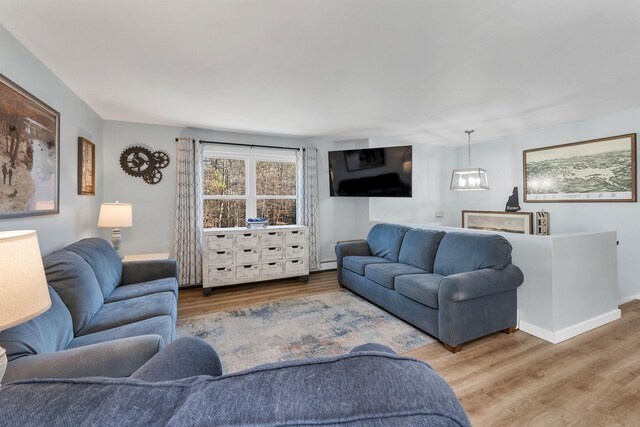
x: 502, y: 380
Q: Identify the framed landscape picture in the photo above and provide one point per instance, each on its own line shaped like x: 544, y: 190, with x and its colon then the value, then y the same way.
x: 29, y: 153
x: 509, y: 222
x: 86, y: 167
x: 599, y: 170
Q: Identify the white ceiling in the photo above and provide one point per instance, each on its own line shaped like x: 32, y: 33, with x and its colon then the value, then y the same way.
x: 421, y: 70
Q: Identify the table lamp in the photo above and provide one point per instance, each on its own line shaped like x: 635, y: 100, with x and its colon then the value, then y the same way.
x: 115, y: 215
x: 24, y: 293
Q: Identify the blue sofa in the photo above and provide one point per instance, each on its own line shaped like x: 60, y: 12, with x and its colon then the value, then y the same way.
x: 183, y: 385
x: 455, y: 286
x: 107, y: 318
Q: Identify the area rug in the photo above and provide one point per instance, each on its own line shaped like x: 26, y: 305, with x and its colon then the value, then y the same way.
x: 321, y: 325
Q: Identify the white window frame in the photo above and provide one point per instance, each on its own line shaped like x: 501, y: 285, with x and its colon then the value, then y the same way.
x: 250, y: 157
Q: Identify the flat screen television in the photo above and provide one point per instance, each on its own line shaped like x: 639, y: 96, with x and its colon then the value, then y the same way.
x: 371, y: 172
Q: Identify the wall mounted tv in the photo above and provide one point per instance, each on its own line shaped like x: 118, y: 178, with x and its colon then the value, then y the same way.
x: 371, y: 172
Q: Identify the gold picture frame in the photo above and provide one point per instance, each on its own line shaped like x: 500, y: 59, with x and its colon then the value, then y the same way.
x: 86, y: 167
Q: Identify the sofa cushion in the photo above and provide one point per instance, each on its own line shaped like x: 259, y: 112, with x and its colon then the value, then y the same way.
x: 462, y: 252
x: 132, y: 310
x: 104, y: 261
x: 358, y: 263
x: 51, y: 331
x: 384, y: 274
x: 122, y: 292
x: 419, y: 248
x: 76, y: 284
x: 161, y: 325
x: 385, y: 240
x: 422, y: 288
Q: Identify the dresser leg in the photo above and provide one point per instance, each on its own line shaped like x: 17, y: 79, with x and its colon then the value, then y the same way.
x: 305, y: 279
x: 206, y: 291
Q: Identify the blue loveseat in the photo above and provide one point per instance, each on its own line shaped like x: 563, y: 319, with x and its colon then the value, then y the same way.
x: 183, y: 385
x: 455, y: 286
x: 107, y: 317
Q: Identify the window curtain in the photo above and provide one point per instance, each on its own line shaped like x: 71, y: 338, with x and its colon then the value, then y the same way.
x: 307, y: 200
x: 187, y: 240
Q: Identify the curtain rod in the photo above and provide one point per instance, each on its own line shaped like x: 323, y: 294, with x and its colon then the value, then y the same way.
x: 250, y: 145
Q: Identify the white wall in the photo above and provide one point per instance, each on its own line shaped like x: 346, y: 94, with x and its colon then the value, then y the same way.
x: 432, y: 167
x: 503, y: 161
x: 78, y: 214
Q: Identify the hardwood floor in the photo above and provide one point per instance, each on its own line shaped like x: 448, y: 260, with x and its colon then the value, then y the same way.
x: 503, y: 380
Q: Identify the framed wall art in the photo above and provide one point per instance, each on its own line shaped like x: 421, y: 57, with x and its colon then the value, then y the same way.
x: 599, y: 170
x: 509, y: 222
x: 29, y: 153
x: 86, y: 167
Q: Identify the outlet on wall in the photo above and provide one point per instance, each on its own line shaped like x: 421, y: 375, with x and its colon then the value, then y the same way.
x: 332, y: 247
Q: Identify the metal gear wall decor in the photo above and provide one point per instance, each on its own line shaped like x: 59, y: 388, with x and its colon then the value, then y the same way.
x: 141, y: 161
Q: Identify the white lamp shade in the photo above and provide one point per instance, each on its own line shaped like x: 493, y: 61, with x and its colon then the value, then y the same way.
x: 469, y: 179
x: 24, y: 292
x: 115, y: 215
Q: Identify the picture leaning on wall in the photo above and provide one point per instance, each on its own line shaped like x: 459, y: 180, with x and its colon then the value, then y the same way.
x: 29, y: 153
x: 599, y: 170
x: 508, y: 222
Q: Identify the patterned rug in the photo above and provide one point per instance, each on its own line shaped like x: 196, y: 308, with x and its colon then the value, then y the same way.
x: 321, y: 325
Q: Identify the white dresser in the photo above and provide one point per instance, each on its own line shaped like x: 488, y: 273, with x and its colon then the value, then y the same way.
x: 241, y: 255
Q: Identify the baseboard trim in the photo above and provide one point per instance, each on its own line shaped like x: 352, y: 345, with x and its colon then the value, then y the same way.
x: 571, y: 331
x: 628, y: 299
x: 328, y: 265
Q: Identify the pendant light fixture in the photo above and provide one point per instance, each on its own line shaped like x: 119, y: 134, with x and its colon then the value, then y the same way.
x: 469, y: 178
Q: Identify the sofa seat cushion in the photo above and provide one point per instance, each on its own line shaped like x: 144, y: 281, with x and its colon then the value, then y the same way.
x: 358, y: 263
x: 161, y: 325
x: 103, y: 259
x: 385, y: 240
x: 419, y: 248
x: 49, y: 332
x: 422, y: 288
x: 463, y: 252
x: 76, y: 284
x: 132, y: 310
x: 385, y: 274
x: 123, y: 292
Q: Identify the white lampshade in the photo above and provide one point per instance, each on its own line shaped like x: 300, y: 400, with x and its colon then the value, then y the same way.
x: 115, y: 215
x: 469, y: 179
x: 24, y: 292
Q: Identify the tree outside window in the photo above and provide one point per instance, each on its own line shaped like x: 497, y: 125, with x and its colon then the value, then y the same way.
x: 237, y: 186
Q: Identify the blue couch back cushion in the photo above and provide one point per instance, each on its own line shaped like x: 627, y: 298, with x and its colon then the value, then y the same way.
x: 385, y: 240
x: 462, y: 252
x: 419, y: 248
x: 103, y: 259
x: 49, y: 332
x: 76, y: 284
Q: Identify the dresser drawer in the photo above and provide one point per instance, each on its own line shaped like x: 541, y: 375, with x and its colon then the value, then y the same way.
x: 247, y: 256
x: 247, y: 271
x: 220, y: 274
x: 294, y: 251
x: 295, y: 236
x: 272, y: 238
x: 248, y: 240
x: 220, y: 241
x: 269, y: 254
x: 271, y: 268
x: 220, y: 258
x: 295, y: 266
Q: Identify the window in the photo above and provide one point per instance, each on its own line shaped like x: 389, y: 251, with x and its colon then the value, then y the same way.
x: 251, y: 183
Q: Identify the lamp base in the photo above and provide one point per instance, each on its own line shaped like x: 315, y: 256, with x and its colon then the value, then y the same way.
x: 3, y: 362
x: 116, y: 239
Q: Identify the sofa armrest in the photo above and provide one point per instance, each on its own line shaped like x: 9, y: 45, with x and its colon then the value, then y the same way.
x: 356, y: 248
x: 183, y: 358
x: 475, y: 284
x: 117, y: 358
x: 145, y: 271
